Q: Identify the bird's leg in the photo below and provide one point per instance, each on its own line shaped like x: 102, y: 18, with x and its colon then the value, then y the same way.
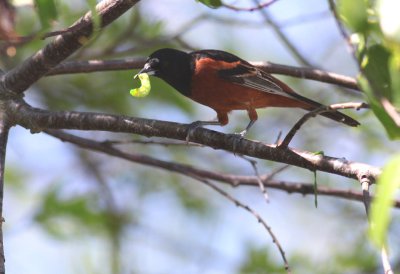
x: 192, y: 127
x: 243, y: 132
x: 240, y: 135
x: 222, y: 119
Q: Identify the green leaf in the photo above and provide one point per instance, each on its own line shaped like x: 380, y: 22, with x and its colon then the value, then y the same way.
x: 47, y: 11
x: 375, y: 66
x: 95, y: 15
x: 387, y: 185
x: 211, y: 3
x: 376, y: 82
x: 394, y: 70
x: 390, y: 126
x: 354, y: 14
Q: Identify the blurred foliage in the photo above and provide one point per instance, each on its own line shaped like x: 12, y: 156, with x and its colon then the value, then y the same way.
x: 358, y: 258
x: 15, y: 177
x: 47, y: 12
x: 375, y: 31
x: 259, y: 261
x: 388, y: 184
x: 375, y: 27
x: 211, y: 3
x: 78, y: 216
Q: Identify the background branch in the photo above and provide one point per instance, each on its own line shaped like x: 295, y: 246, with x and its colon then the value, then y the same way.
x: 283, y: 37
x: 258, y: 6
x: 137, y: 63
x: 231, y: 179
x: 33, y: 68
x: 256, y: 215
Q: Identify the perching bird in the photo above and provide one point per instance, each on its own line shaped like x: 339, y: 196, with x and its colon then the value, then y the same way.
x: 225, y: 82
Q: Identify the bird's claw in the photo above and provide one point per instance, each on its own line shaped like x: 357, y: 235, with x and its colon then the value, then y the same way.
x: 192, y: 127
x: 237, y: 138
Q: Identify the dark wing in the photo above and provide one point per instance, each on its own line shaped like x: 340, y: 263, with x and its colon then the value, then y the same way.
x: 246, y: 75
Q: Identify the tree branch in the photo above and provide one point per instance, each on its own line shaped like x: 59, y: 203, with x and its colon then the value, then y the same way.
x: 273, y: 68
x: 70, y: 67
x: 184, y: 169
x: 37, y: 120
x: 4, y: 129
x: 310, y: 73
x: 32, y: 69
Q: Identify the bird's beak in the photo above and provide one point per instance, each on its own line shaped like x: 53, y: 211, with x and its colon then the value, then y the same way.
x: 147, y: 69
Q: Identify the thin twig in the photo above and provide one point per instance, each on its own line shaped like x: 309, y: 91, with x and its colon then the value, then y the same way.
x: 365, y: 184
x: 282, y: 36
x: 106, y: 194
x: 261, y: 185
x: 257, y: 7
x: 366, y: 195
x: 342, y: 30
x: 390, y: 110
x: 309, y: 115
x: 252, y: 212
x: 304, y: 19
x: 275, y: 172
x: 385, y: 262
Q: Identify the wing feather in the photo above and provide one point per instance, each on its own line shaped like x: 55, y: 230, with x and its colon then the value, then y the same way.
x: 246, y: 75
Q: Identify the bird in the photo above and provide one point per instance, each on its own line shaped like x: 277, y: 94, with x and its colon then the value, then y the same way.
x: 225, y: 82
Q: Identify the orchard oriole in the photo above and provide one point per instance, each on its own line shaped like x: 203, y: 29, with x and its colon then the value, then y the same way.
x: 225, y: 82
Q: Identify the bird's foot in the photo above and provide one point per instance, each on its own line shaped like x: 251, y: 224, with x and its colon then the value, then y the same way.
x: 237, y: 139
x: 192, y: 127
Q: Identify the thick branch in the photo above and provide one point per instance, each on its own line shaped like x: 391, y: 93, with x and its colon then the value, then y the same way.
x: 38, y: 120
x: 4, y: 128
x: 137, y: 63
x: 24, y: 75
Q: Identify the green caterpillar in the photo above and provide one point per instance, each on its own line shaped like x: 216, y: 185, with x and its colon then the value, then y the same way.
x: 145, y: 87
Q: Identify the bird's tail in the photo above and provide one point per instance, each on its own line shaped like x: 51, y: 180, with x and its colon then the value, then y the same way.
x: 334, y: 115
x: 340, y: 117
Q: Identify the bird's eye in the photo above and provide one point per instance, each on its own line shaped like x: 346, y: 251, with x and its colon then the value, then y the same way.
x: 154, y: 63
